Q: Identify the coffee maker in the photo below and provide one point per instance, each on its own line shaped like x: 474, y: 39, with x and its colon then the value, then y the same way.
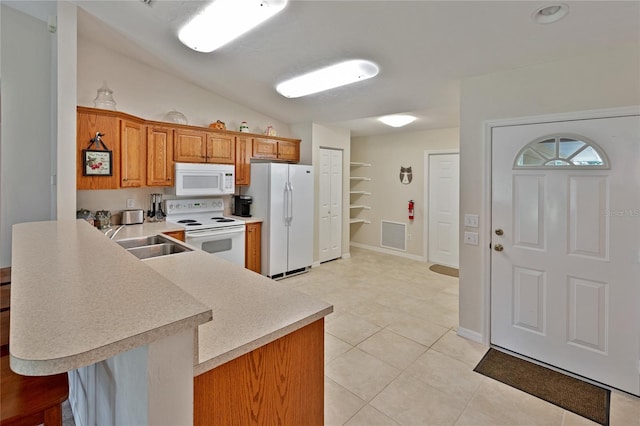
x: 242, y: 205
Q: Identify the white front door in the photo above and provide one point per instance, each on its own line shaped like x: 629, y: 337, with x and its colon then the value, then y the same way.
x: 565, y: 263
x: 444, y: 189
x: 330, y: 206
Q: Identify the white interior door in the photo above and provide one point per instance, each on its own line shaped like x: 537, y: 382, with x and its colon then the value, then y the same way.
x: 444, y: 190
x: 564, y: 285
x: 330, y: 208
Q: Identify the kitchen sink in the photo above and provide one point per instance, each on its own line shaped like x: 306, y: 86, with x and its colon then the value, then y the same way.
x: 152, y: 246
x: 155, y: 250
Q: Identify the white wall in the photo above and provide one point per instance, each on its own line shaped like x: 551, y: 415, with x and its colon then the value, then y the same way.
x: 389, y: 197
x: 605, y: 79
x: 27, y: 114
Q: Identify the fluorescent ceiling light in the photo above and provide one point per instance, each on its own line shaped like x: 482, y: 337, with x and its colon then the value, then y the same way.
x: 397, y: 120
x: 336, y: 75
x: 225, y: 20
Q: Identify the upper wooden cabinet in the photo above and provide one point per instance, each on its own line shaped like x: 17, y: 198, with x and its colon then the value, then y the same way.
x: 189, y: 146
x: 243, y: 160
x: 159, y: 156
x: 144, y: 152
x: 276, y: 149
x: 133, y: 157
x: 89, y: 122
x: 221, y: 148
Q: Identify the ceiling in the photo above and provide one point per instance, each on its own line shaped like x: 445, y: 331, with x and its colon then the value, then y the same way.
x: 423, y: 48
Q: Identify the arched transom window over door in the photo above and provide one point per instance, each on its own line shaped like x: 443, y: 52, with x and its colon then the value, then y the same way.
x: 561, y: 151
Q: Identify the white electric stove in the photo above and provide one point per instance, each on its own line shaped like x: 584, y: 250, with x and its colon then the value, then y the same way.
x: 207, y: 228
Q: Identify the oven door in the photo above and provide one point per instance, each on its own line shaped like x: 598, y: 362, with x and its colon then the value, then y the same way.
x: 227, y: 243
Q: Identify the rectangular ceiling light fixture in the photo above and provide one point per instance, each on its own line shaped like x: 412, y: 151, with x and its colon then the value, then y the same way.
x: 336, y: 75
x: 225, y: 20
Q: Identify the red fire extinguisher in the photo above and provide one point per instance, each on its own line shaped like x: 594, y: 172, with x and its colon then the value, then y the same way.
x: 410, y: 209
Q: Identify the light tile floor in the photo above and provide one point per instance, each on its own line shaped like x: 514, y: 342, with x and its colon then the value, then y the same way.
x: 392, y: 355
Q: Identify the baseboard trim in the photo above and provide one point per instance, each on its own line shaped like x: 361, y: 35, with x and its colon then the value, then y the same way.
x: 388, y: 251
x: 471, y: 335
x: 346, y: 255
x: 315, y: 264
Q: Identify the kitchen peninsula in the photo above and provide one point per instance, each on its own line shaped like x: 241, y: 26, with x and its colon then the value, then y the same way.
x: 180, y: 339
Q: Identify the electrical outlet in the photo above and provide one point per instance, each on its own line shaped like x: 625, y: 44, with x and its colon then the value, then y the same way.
x: 409, y: 237
x: 130, y: 203
x: 471, y: 238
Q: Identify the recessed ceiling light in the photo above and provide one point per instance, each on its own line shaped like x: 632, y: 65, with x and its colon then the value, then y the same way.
x: 397, y: 120
x: 330, y: 77
x: 225, y: 20
x: 550, y: 13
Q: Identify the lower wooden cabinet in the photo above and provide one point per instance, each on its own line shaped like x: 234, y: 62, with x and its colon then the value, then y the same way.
x: 280, y: 383
x: 178, y: 235
x: 252, y: 251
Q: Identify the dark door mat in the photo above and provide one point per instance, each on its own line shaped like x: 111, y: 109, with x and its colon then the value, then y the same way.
x: 582, y: 398
x: 445, y: 270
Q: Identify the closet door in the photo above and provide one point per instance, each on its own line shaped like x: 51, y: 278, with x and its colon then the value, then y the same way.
x: 330, y: 205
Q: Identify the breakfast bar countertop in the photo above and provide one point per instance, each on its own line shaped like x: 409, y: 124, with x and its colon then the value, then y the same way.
x: 78, y: 298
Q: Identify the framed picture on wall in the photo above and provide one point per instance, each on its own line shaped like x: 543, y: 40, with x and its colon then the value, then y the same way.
x: 97, y: 163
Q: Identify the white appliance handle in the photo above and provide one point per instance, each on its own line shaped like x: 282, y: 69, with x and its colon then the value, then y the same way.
x: 285, y: 207
x: 290, y: 202
x: 203, y: 234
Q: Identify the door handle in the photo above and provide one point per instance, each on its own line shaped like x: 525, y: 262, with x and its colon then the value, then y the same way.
x: 499, y: 232
x: 498, y: 247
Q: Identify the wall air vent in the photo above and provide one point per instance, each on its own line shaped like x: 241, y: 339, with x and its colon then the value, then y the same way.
x: 393, y: 235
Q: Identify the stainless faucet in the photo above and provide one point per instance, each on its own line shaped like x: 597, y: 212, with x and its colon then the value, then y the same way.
x: 115, y: 232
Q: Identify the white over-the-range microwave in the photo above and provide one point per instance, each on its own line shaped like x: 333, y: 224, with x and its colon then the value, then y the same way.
x: 204, y: 179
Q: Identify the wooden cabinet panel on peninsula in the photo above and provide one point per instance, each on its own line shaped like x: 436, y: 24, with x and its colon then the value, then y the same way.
x: 280, y: 383
x: 252, y: 247
x: 159, y: 156
x: 276, y: 149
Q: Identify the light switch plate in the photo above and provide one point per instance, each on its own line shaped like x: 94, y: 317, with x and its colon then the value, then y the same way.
x: 471, y: 220
x: 130, y: 203
x: 471, y: 238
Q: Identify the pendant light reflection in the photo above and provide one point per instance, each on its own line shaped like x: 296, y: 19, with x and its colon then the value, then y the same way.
x: 225, y: 20
x: 330, y: 77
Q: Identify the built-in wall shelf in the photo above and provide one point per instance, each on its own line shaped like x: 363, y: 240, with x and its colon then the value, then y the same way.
x: 355, y: 180
x: 357, y: 220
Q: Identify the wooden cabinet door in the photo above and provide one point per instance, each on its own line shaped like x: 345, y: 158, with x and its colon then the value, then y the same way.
x: 289, y: 151
x: 252, y: 246
x: 265, y: 148
x: 221, y: 148
x: 159, y: 156
x: 243, y: 160
x: 189, y: 146
x: 178, y: 235
x: 132, y: 155
x: 88, y: 124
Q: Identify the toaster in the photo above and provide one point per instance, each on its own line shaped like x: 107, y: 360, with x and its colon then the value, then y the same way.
x: 132, y: 217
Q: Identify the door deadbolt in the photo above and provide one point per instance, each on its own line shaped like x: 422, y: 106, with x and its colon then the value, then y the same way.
x: 498, y: 247
x: 499, y: 232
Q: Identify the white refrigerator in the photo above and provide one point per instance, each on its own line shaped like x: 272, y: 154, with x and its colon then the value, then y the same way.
x: 283, y: 197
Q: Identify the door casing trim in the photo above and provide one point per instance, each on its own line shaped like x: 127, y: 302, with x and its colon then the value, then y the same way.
x: 485, y: 237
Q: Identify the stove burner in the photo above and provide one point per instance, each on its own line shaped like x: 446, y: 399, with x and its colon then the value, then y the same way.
x: 217, y: 217
x: 187, y: 221
x: 224, y: 220
x: 193, y: 223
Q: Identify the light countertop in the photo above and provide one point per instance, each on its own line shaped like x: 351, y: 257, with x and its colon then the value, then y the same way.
x: 79, y: 298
